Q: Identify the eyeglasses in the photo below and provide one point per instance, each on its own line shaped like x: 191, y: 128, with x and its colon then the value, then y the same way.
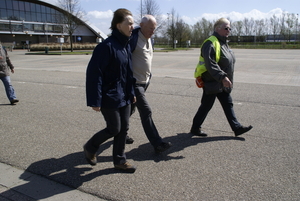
x: 227, y: 29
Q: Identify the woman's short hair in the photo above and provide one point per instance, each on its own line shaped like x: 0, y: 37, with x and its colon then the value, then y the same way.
x: 119, y: 17
x: 218, y: 24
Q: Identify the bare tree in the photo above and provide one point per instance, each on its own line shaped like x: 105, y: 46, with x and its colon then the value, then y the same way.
x: 172, y: 29
x: 183, y: 32
x: 71, y: 18
x: 202, y: 30
x: 274, y: 26
x: 237, y: 29
x: 282, y: 26
x: 248, y: 26
x: 290, y: 21
x: 260, y: 26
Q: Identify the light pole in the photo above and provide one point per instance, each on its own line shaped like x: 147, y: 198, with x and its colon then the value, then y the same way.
x: 27, y: 41
x: 168, y: 29
x: 297, y: 28
x: 141, y: 9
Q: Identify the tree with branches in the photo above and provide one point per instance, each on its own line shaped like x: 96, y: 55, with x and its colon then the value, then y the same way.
x: 150, y: 7
x: 71, y: 18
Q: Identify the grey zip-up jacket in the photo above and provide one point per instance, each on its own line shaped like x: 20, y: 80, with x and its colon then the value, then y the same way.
x: 5, y: 63
x: 216, y: 72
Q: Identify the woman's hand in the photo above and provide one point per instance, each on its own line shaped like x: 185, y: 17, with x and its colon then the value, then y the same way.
x: 134, y: 99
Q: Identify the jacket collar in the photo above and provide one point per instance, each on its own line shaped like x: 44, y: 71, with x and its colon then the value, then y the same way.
x: 121, y: 37
x: 220, y: 38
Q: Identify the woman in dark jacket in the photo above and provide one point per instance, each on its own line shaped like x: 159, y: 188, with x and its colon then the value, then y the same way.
x: 218, y: 80
x: 109, y: 89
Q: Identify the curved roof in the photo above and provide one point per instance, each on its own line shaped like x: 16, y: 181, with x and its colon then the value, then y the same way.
x: 95, y: 30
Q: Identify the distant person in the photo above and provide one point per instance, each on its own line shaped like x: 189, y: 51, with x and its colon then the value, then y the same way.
x: 216, y: 67
x: 110, y: 89
x: 5, y: 67
x: 142, y: 53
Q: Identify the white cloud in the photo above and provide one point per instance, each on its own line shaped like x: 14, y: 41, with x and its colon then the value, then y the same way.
x: 235, y: 16
x: 101, y: 14
x: 101, y: 19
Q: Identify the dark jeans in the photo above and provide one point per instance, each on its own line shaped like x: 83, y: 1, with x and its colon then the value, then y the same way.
x: 146, y: 115
x: 117, y: 125
x: 207, y: 102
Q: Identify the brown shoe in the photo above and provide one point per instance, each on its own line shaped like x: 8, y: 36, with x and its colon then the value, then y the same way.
x: 127, y: 167
x: 90, y: 158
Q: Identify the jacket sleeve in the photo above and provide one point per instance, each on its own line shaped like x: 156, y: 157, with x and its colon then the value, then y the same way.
x: 8, y: 61
x: 94, y: 75
x: 209, y: 54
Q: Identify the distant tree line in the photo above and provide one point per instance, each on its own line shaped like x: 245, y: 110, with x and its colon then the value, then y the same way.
x: 277, y: 28
x: 174, y: 32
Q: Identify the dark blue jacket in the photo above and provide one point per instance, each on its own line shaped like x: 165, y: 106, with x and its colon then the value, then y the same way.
x: 134, y: 38
x: 109, y: 78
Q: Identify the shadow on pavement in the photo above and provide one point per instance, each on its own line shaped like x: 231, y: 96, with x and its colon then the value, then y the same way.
x: 66, y: 170
x: 180, y: 142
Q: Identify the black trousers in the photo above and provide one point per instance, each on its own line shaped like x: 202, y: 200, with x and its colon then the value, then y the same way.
x: 117, y: 125
x: 146, y: 115
x: 208, y: 101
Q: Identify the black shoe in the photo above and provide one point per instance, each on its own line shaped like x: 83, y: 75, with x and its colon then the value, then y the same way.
x: 90, y: 158
x: 14, y: 101
x: 198, y: 132
x: 126, y: 167
x: 242, y: 130
x: 163, y: 147
x: 129, y: 140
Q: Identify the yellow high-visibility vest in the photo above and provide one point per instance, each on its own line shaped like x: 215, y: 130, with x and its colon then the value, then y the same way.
x: 200, y: 68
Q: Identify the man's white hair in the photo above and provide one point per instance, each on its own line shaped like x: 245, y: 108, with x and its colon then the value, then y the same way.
x: 148, y: 18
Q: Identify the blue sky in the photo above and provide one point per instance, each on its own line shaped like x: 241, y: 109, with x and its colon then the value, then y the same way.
x: 99, y: 12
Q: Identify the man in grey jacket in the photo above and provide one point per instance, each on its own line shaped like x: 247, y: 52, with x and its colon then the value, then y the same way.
x: 218, y: 80
x: 5, y: 66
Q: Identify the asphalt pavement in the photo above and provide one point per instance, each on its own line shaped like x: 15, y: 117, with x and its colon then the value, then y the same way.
x: 42, y: 136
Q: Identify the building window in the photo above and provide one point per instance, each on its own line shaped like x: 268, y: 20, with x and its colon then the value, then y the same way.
x: 38, y: 28
x: 32, y: 7
x: 16, y: 5
x: 22, y: 15
x: 4, y: 27
x: 10, y: 15
x: 38, y: 8
x: 16, y: 27
x: 21, y: 5
x: 27, y: 6
x: 9, y: 4
x: 16, y: 15
x: 3, y: 5
x: 28, y: 16
x: 28, y: 27
x: 3, y: 14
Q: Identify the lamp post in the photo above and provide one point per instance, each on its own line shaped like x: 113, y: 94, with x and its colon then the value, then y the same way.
x: 141, y: 9
x: 297, y: 28
x: 27, y: 41
x: 13, y: 43
x: 168, y: 29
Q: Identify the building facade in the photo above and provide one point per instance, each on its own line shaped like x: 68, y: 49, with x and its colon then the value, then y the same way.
x: 31, y: 21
